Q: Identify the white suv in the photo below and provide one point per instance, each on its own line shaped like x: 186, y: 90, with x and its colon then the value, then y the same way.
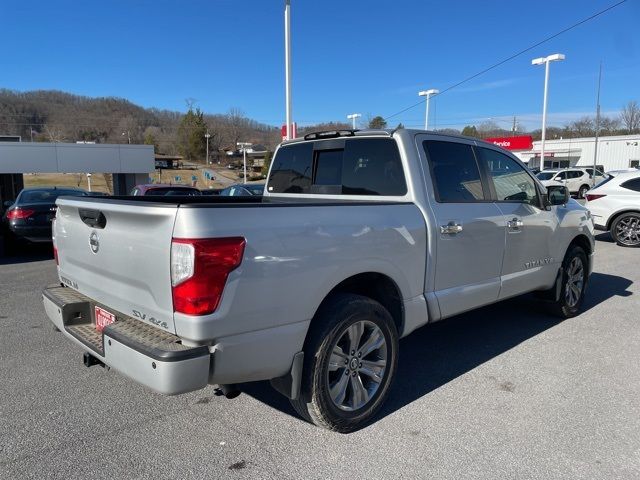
x: 577, y: 180
x: 615, y: 206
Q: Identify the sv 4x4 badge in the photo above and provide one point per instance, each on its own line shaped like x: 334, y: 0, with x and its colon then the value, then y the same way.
x: 143, y: 316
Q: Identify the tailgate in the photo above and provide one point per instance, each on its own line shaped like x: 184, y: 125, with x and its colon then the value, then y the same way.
x: 118, y: 254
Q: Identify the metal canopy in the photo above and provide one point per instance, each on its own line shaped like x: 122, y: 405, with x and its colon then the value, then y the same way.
x: 36, y: 157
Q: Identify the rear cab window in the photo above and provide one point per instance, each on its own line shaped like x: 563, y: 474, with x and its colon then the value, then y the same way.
x: 351, y: 166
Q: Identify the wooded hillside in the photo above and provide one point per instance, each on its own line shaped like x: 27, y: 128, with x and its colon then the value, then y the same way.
x: 54, y: 116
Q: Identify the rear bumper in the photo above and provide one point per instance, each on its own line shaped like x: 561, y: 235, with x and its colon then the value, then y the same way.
x: 143, y: 353
x: 39, y: 233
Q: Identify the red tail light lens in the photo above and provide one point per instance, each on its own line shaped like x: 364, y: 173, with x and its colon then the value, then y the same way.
x: 593, y: 196
x: 20, y: 213
x: 55, y: 254
x: 199, y: 272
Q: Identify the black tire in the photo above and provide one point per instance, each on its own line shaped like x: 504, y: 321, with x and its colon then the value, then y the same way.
x: 583, y: 191
x: 327, y: 334
x: 565, y: 303
x: 625, y: 230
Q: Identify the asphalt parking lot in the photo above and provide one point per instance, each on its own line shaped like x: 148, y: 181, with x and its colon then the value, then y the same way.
x: 503, y: 392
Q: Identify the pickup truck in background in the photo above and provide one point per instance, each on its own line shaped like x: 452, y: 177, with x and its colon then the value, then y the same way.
x: 360, y: 238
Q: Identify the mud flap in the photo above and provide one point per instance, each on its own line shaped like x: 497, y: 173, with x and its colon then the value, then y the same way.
x: 289, y: 384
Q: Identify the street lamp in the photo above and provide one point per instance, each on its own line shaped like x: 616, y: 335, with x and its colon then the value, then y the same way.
x: 428, y: 94
x: 128, y: 134
x: 207, y: 136
x: 244, y: 146
x: 287, y: 67
x: 89, y: 181
x: 556, y: 57
x: 353, y: 117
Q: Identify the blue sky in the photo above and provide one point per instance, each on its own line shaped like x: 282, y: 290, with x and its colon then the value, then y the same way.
x: 370, y: 57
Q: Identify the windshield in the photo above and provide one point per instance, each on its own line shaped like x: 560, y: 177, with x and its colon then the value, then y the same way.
x: 546, y: 175
x: 47, y: 196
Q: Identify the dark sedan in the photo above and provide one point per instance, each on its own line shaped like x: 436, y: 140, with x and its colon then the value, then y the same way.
x: 28, y: 219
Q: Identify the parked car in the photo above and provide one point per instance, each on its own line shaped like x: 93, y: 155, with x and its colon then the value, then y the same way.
x: 28, y: 219
x: 615, y: 207
x: 577, y: 179
x: 359, y: 239
x: 243, y: 189
x: 160, y: 189
x: 211, y: 191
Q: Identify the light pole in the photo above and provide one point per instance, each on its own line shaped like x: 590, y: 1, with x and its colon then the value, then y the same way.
x: 428, y: 94
x: 207, y: 136
x: 244, y: 146
x: 556, y: 57
x: 89, y: 181
x: 353, y: 117
x: 128, y: 134
x: 287, y: 65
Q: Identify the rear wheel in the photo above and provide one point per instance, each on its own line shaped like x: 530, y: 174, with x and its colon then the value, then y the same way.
x: 573, y: 281
x: 625, y: 230
x: 583, y: 191
x: 351, y: 355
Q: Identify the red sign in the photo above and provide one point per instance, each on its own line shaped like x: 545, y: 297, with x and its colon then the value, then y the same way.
x: 524, y: 142
x: 294, y: 131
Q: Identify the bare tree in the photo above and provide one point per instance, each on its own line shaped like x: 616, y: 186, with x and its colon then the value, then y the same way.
x: 236, y: 126
x: 630, y: 117
x: 54, y: 133
x: 609, y: 126
x: 583, y: 127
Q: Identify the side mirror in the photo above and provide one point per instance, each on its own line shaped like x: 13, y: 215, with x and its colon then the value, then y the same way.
x: 8, y: 203
x: 558, y: 195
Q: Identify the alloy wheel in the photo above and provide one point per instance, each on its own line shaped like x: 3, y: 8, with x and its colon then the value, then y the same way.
x: 357, y: 365
x: 628, y: 231
x: 575, y: 282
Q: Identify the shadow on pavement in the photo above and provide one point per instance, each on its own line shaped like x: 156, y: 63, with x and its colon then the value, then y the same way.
x: 437, y: 354
x: 604, y: 237
x: 27, y: 253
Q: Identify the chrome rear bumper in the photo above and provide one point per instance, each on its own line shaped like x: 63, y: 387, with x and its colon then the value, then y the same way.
x: 144, y: 353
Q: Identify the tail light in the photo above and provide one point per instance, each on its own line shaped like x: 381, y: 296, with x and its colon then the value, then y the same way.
x: 593, y: 196
x: 20, y: 213
x: 55, y: 254
x: 199, y: 271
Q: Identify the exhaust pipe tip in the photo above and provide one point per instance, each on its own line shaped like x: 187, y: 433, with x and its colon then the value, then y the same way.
x: 229, y: 391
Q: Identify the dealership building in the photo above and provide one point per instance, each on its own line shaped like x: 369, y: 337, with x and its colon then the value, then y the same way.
x: 614, y: 153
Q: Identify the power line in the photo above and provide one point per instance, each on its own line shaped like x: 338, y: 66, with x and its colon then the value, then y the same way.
x: 521, y: 52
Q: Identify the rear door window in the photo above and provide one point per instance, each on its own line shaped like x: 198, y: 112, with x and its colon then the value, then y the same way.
x: 455, y: 172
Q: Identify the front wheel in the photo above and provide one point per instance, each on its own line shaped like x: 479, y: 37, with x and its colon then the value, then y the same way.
x: 583, y: 191
x: 351, y: 354
x: 573, y: 277
x: 625, y: 230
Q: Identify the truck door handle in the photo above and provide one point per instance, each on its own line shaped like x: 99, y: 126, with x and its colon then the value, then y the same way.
x: 451, y: 228
x: 515, y: 224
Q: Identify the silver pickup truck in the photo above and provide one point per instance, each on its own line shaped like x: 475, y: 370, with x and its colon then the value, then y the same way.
x: 360, y: 238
